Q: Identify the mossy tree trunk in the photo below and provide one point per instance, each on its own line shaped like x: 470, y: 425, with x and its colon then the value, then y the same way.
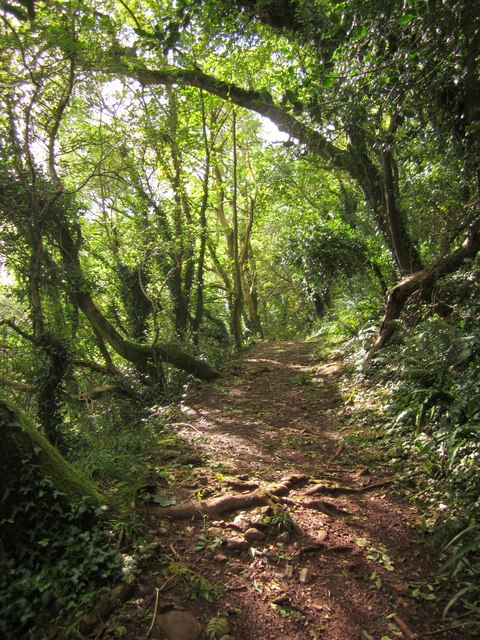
x: 423, y: 282
x: 22, y: 441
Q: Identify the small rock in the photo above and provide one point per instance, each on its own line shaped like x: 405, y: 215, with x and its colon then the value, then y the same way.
x: 179, y: 625
x: 215, y: 531
x: 237, y: 544
x: 288, y: 571
x: 262, y: 511
x: 240, y: 523
x: 232, y: 610
x: 202, y: 480
x: 163, y: 529
x: 228, y: 637
x: 253, y: 534
x: 281, y: 599
x: 271, y: 554
x: 305, y: 576
x: 220, y: 557
x: 321, y: 535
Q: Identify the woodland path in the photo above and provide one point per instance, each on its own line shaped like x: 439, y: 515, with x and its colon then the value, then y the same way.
x: 348, y: 569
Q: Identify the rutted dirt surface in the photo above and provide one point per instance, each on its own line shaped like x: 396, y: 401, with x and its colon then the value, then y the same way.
x: 332, y: 556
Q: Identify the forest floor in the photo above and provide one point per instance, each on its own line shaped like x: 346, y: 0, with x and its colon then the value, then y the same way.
x: 316, y: 539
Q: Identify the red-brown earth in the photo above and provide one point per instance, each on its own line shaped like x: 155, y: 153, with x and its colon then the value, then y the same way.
x: 336, y: 554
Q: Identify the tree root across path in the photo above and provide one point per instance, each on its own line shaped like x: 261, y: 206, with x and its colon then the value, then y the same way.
x: 216, y: 507
x: 213, y: 508
x: 321, y: 488
x: 230, y: 502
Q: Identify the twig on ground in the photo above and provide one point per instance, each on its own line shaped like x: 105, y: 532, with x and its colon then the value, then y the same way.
x: 184, y: 424
x: 403, y: 626
x: 157, y: 594
x: 437, y: 632
x: 155, y: 611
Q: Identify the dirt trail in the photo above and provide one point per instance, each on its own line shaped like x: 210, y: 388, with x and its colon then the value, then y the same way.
x: 327, y: 563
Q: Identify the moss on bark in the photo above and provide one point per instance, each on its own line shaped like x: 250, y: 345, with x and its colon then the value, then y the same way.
x: 22, y: 440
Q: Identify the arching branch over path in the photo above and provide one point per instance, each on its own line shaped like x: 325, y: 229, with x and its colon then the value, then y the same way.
x: 128, y: 66
x: 353, y: 159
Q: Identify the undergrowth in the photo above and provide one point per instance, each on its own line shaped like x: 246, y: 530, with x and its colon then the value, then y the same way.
x: 422, y: 393
x: 124, y: 456
x: 55, y: 556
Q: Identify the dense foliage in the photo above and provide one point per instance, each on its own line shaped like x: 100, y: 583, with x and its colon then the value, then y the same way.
x: 55, y: 555
x: 422, y: 395
x: 152, y: 222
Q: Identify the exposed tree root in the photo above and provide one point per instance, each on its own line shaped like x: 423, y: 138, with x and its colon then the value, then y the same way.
x: 241, y: 485
x: 213, y: 508
x: 327, y: 508
x: 321, y: 488
x: 320, y: 547
x: 228, y: 503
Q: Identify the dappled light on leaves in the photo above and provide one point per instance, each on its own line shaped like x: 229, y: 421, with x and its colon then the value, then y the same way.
x: 182, y: 180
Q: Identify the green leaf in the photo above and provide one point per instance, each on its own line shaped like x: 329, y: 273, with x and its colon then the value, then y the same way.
x: 460, y: 555
x: 456, y: 597
x: 164, y: 501
x: 406, y: 18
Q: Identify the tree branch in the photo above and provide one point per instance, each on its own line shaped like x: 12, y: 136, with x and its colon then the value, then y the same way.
x: 17, y: 386
x: 98, y: 368
x: 138, y: 354
x: 17, y: 329
x: 423, y: 280
x: 124, y: 64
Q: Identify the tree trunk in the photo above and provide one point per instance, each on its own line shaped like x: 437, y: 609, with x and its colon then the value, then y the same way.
x: 199, y: 307
x: 251, y: 301
x: 138, y: 354
x: 421, y: 281
x: 21, y: 440
x: 237, y: 267
x: 379, y: 188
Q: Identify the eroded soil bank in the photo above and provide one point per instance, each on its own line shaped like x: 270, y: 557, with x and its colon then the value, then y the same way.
x: 322, y: 545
